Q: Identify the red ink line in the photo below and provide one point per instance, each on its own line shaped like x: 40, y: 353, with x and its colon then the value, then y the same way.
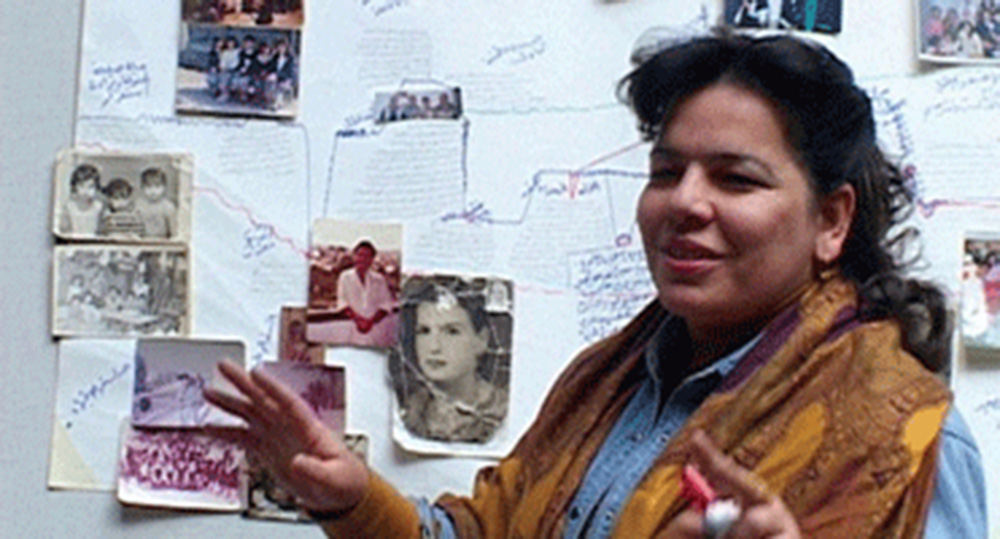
x: 610, y: 156
x: 238, y: 208
x: 927, y: 208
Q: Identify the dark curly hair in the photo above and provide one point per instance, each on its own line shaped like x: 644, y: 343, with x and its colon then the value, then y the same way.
x: 829, y: 123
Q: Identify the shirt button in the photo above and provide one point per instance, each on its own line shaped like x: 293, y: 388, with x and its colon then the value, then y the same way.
x: 574, y: 513
x: 609, y: 516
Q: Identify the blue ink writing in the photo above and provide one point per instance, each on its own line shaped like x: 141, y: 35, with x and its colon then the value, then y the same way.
x: 517, y: 53
x: 85, y: 398
x: 258, y: 240
x: 119, y: 82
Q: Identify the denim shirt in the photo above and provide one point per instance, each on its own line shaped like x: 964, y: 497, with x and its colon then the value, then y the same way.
x: 958, y: 508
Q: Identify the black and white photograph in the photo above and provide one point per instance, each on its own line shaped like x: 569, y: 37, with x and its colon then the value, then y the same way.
x: 272, y: 13
x: 809, y: 15
x: 122, y: 197
x: 438, y: 103
x: 958, y: 31
x: 238, y: 71
x: 119, y: 291
x: 451, y: 369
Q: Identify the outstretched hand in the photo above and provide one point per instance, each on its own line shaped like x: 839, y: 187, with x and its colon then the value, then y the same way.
x: 763, y: 514
x: 294, y: 445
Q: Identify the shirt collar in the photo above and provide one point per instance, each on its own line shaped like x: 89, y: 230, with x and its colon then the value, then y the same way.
x: 672, y: 334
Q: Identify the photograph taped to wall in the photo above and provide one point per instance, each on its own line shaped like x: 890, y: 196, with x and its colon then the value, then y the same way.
x: 958, y: 31
x: 354, y: 275
x: 112, y: 196
x: 292, y: 343
x: 180, y: 469
x: 981, y: 295
x: 120, y: 291
x: 268, y: 13
x: 809, y: 15
x: 437, y: 102
x: 238, y: 71
x: 451, y: 369
x: 170, y: 376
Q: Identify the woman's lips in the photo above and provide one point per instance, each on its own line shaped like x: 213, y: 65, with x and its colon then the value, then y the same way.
x: 688, y: 258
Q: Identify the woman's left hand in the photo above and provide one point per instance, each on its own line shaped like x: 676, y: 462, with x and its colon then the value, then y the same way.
x: 762, y: 514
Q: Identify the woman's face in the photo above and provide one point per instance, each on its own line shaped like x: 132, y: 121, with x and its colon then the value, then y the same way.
x: 447, y: 345
x: 730, y: 226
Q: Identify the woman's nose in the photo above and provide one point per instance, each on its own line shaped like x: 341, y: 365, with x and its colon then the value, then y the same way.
x: 689, y: 199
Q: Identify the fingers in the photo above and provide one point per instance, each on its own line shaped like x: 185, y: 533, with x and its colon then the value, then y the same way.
x: 239, y: 378
x: 281, y: 394
x: 234, y: 405
x: 725, y: 475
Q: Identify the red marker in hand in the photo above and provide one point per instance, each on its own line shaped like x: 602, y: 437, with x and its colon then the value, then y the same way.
x: 720, y: 515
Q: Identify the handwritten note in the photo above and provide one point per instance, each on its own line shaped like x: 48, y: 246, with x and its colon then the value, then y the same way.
x: 86, y: 397
x: 119, y: 82
x: 517, y: 53
x: 613, y: 285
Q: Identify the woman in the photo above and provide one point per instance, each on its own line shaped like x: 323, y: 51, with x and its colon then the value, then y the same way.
x: 444, y: 380
x: 786, y: 356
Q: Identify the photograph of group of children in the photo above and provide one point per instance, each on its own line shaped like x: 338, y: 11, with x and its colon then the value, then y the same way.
x: 239, y: 58
x: 444, y: 103
x: 959, y: 30
x: 809, y: 15
x: 981, y: 293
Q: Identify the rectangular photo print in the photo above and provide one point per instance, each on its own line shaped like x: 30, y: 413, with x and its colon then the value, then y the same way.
x: 451, y: 368
x: 252, y: 13
x: 958, y: 31
x: 418, y: 103
x: 354, y: 279
x: 239, y: 71
x: 120, y: 291
x: 180, y: 469
x: 808, y: 15
x: 292, y: 343
x: 124, y: 197
x: 981, y: 295
x: 170, y: 375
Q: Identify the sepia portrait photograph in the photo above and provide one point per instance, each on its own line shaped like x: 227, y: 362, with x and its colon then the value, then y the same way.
x: 118, y: 291
x: 451, y: 369
x: 292, y: 343
x: 271, y: 13
x: 354, y: 275
x: 133, y: 197
x: 181, y: 469
x: 170, y: 376
x: 252, y: 72
x: 958, y: 31
x: 980, y: 313
x: 439, y: 103
x: 809, y: 15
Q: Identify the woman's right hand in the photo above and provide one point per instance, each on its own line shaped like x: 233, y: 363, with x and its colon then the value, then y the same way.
x: 294, y: 445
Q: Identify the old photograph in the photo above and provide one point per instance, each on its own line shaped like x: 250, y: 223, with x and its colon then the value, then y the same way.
x: 451, y: 369
x: 981, y: 295
x: 441, y: 103
x: 113, y: 196
x: 354, y: 276
x: 273, y: 13
x: 181, y: 469
x: 118, y: 291
x: 170, y: 376
x: 292, y: 343
x: 808, y: 15
x: 238, y: 71
x: 958, y: 31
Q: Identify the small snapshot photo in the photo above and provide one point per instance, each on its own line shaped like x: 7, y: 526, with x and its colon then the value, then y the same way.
x: 981, y: 295
x: 958, y: 31
x: 251, y: 13
x: 110, y: 196
x: 451, y: 369
x: 238, y: 71
x: 354, y: 280
x: 809, y: 15
x: 119, y: 291
x: 170, y: 375
x: 418, y: 103
x: 180, y: 469
x: 292, y: 343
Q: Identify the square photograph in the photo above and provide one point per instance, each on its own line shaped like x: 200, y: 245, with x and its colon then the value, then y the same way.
x: 240, y: 71
x: 451, y: 368
x: 119, y: 291
x: 170, y: 375
x: 133, y: 197
x: 958, y: 31
x: 808, y: 15
x: 980, y: 313
x: 413, y: 103
x: 354, y: 276
x: 292, y: 343
x: 180, y: 469
x: 251, y: 13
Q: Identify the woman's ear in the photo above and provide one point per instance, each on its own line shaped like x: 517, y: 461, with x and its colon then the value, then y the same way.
x: 836, y: 214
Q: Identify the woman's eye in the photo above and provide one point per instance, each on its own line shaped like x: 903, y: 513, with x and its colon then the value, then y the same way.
x: 453, y: 331
x: 423, y: 330
x: 665, y: 175
x: 740, y: 180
